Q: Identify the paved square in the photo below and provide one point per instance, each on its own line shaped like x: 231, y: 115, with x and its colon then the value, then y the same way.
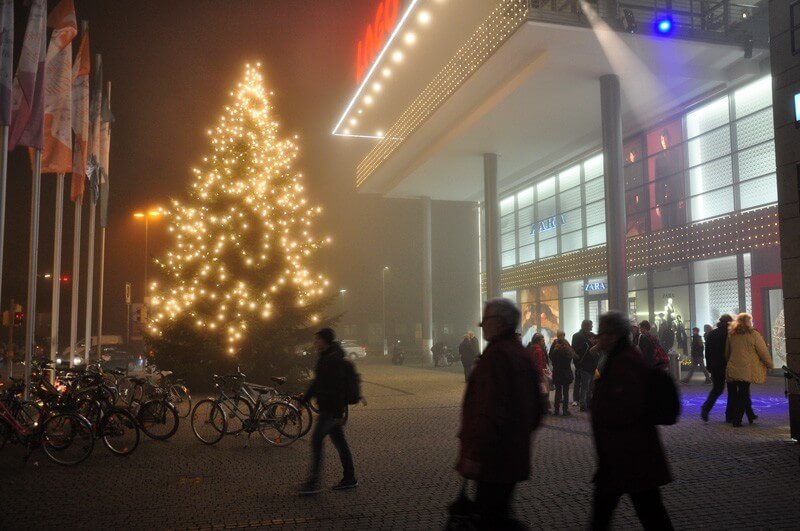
x: 404, y: 446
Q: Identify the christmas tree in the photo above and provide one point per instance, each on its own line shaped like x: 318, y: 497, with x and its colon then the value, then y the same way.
x: 236, y: 284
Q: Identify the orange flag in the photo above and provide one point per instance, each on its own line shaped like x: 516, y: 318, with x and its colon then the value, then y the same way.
x: 80, y: 117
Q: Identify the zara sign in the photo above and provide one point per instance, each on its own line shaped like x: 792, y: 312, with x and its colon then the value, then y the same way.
x: 548, y: 224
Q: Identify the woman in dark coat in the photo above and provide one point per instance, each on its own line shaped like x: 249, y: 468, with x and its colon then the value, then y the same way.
x: 630, y: 459
x: 561, y: 356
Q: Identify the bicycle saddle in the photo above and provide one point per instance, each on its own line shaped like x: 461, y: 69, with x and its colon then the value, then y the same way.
x: 260, y: 389
x: 280, y: 380
x: 134, y: 379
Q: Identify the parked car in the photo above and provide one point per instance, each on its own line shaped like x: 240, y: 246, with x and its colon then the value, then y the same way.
x: 66, y: 354
x: 353, y: 350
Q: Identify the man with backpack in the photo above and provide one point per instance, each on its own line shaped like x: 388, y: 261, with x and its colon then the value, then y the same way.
x: 582, y: 341
x: 630, y: 399
x: 652, y: 351
x: 336, y: 384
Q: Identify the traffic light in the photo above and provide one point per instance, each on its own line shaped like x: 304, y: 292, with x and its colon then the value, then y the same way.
x: 140, y: 313
x: 19, y: 316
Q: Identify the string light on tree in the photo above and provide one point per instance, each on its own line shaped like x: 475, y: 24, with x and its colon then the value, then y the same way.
x: 242, y: 242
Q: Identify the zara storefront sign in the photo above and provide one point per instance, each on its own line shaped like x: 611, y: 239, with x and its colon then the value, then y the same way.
x: 593, y: 287
x: 375, y: 35
x: 548, y: 224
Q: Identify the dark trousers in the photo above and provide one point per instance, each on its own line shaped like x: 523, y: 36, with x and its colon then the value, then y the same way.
x: 576, y: 390
x: 587, y: 384
x: 467, y: 367
x: 648, y: 505
x: 697, y: 362
x: 493, y: 503
x: 717, y: 388
x: 328, y: 425
x: 562, y: 397
x: 739, y: 400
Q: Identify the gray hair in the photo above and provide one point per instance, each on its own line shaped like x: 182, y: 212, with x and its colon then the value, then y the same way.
x: 505, y: 309
x: 616, y: 323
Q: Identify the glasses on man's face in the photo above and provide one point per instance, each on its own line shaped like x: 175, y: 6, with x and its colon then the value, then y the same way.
x: 486, y: 318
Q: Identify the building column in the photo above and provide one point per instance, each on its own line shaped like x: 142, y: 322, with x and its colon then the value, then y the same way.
x: 427, y: 282
x: 491, y: 216
x: 785, y: 84
x: 610, y: 108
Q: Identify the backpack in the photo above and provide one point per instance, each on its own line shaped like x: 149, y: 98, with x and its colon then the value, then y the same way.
x: 352, y: 383
x: 660, y: 357
x: 662, y: 402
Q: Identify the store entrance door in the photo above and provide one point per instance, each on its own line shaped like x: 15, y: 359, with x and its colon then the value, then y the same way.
x: 597, y: 305
x: 774, y: 329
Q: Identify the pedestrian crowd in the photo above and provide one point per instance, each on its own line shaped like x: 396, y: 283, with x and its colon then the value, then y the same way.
x: 620, y: 376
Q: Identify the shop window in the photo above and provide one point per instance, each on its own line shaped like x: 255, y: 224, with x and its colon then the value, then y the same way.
x: 757, y: 161
x: 527, y: 321
x: 509, y: 258
x: 593, y: 167
x: 507, y: 242
x: 506, y: 205
x: 748, y: 297
x: 571, y: 241
x: 638, y: 305
x: 664, y: 148
x: 714, y: 299
x: 571, y: 315
x: 547, y: 247
x: 507, y: 223
x: 571, y: 220
x: 546, y: 188
x: 573, y: 288
x: 715, y: 269
x: 570, y: 199
x: 637, y: 281
x: 528, y: 295
x: 754, y: 129
x: 548, y: 319
x: 637, y: 225
x: 672, y: 320
x: 712, y: 204
x: 708, y: 117
x: 748, y: 264
x: 525, y: 198
x: 525, y: 236
x: 634, y: 175
x: 596, y: 235
x: 525, y: 217
x: 753, y: 97
x: 668, y: 216
x: 569, y: 178
x: 595, y: 213
x: 709, y: 146
x: 527, y: 253
x: 635, y: 201
x: 545, y: 209
x: 510, y: 295
x: 671, y: 276
x: 711, y: 176
x: 758, y: 192
x: 595, y: 190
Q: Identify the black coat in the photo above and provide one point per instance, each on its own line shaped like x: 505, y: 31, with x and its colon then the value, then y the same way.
x: 581, y: 343
x: 467, y: 349
x: 562, y: 356
x: 329, y: 382
x: 715, y: 350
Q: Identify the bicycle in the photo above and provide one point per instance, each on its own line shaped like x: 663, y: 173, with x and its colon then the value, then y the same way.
x: 157, y: 416
x: 176, y: 390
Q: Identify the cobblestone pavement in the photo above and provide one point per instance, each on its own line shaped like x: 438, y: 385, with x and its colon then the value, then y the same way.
x: 404, y: 446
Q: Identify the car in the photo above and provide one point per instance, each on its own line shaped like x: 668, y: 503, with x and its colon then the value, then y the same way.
x: 63, y: 359
x: 352, y: 350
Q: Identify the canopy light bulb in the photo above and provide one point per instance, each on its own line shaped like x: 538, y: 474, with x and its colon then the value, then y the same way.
x: 397, y: 56
x: 424, y: 17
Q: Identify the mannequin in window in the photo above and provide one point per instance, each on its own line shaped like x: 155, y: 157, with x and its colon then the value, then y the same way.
x: 668, y: 180
x: 666, y: 335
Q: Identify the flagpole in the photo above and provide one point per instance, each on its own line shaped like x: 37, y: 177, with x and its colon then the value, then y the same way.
x: 56, y: 277
x: 3, y: 174
x: 76, y: 275
x: 33, y: 257
x: 90, y: 281
x: 100, y: 293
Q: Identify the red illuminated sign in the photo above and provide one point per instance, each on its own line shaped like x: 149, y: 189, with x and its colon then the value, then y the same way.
x: 375, y: 36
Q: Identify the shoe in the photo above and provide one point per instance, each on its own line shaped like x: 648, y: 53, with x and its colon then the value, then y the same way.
x: 583, y: 410
x: 556, y: 413
x: 737, y: 424
x: 704, y: 416
x: 346, y: 484
x: 574, y: 403
x: 309, y: 489
x: 567, y: 413
x: 752, y: 419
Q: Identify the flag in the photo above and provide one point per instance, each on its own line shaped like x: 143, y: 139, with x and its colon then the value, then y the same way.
x: 57, y: 152
x: 95, y: 122
x: 27, y: 92
x: 6, y: 58
x: 80, y: 116
x: 105, y: 146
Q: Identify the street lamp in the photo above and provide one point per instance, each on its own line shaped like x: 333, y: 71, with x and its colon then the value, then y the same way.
x: 146, y: 216
x: 383, y: 308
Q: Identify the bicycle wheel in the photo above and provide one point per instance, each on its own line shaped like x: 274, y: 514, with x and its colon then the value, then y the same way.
x: 89, y: 409
x: 29, y: 414
x: 158, y: 419
x: 67, y: 439
x: 5, y: 433
x: 279, y: 423
x: 209, y: 423
x: 119, y: 432
x: 306, y: 416
x: 237, y: 411
x: 181, y: 399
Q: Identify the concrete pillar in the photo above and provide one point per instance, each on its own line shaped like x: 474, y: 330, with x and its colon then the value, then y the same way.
x: 785, y: 84
x: 427, y: 282
x: 491, y: 225
x: 610, y: 109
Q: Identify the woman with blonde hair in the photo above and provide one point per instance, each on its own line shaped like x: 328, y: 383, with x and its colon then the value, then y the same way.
x: 747, y: 362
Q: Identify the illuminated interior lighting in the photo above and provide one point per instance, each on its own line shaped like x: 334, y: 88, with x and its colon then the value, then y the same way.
x: 664, y: 26
x: 424, y: 17
x: 368, y: 99
x: 410, y: 38
x: 353, y: 121
x: 379, y: 134
x: 387, y: 72
x: 347, y: 131
x: 397, y: 56
x: 360, y: 111
x: 377, y: 87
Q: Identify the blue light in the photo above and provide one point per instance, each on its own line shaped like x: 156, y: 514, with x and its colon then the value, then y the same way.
x: 664, y: 26
x: 797, y: 108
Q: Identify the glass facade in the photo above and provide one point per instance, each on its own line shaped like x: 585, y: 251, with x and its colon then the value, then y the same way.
x: 711, y: 161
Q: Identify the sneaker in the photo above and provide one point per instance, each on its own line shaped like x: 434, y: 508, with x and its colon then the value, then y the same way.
x: 309, y: 489
x: 346, y: 484
x: 567, y: 413
x: 573, y: 404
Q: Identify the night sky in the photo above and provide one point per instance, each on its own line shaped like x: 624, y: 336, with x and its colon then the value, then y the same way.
x: 172, y: 65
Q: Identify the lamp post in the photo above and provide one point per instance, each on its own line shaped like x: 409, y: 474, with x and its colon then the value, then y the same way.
x: 383, y: 308
x: 154, y: 213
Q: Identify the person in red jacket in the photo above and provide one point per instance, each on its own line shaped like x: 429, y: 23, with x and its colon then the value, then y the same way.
x: 630, y: 458
x: 501, y: 409
x: 538, y: 352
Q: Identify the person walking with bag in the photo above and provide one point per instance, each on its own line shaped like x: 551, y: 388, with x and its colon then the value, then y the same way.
x: 697, y: 357
x: 333, y: 386
x: 716, y: 341
x: 538, y: 353
x: 581, y: 343
x: 630, y: 458
x: 562, y: 356
x: 748, y: 360
x: 501, y: 409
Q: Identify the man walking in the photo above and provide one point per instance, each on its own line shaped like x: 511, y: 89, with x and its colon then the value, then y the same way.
x: 581, y: 343
x: 501, y: 409
x: 330, y: 389
x: 716, y: 363
x: 697, y: 357
x: 630, y: 458
x: 468, y: 351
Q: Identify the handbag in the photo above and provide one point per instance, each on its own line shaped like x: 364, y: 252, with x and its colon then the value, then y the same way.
x: 462, y: 514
